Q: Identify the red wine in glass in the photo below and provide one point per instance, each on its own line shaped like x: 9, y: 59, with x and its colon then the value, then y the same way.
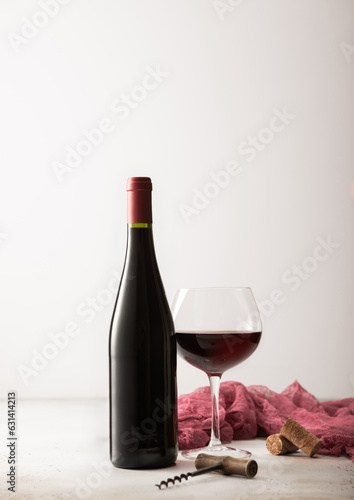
x: 216, y: 329
x: 216, y: 352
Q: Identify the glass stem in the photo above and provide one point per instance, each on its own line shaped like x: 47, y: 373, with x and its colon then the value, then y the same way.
x: 215, y: 421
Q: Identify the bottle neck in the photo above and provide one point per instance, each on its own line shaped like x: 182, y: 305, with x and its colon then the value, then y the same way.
x: 140, y: 231
x: 140, y: 244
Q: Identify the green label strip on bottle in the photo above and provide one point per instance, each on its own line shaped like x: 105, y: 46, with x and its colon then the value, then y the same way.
x: 140, y: 224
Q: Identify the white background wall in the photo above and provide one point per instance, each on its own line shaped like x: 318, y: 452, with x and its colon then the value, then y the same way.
x: 227, y: 72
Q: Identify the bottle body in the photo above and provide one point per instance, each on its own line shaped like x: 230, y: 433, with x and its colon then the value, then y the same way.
x: 142, y: 352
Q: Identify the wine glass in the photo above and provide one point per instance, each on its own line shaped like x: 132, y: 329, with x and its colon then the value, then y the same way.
x: 216, y: 328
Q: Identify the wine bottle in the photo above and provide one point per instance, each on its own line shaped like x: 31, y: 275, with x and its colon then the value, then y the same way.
x: 142, y: 350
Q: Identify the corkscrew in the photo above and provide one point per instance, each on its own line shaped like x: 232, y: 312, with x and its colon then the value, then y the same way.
x: 208, y: 463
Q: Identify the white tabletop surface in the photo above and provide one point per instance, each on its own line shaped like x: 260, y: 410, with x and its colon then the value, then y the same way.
x: 62, y: 453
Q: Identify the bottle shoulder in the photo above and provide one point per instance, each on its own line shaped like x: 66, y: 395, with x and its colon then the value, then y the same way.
x: 141, y: 303
x: 142, y: 306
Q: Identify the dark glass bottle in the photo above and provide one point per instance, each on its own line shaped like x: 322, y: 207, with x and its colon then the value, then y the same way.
x: 142, y: 350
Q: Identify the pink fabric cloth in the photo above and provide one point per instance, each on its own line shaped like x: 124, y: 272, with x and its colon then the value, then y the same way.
x: 247, y: 412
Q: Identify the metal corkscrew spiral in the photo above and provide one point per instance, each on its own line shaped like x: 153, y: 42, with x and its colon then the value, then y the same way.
x: 209, y: 463
x: 187, y: 475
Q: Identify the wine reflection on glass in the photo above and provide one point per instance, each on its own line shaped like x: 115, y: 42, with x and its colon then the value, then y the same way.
x: 216, y: 329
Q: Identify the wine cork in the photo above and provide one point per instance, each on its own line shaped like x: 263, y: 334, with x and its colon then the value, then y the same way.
x: 279, y: 445
x: 301, y: 437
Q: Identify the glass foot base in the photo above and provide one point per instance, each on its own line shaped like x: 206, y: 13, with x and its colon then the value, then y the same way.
x: 218, y: 450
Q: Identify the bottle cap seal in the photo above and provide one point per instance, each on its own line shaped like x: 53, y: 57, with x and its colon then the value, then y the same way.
x: 139, y: 200
x: 139, y: 184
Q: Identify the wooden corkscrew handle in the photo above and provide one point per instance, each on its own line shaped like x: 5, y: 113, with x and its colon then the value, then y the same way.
x: 229, y: 465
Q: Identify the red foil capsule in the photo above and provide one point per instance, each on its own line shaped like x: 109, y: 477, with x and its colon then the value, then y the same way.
x: 139, y: 200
